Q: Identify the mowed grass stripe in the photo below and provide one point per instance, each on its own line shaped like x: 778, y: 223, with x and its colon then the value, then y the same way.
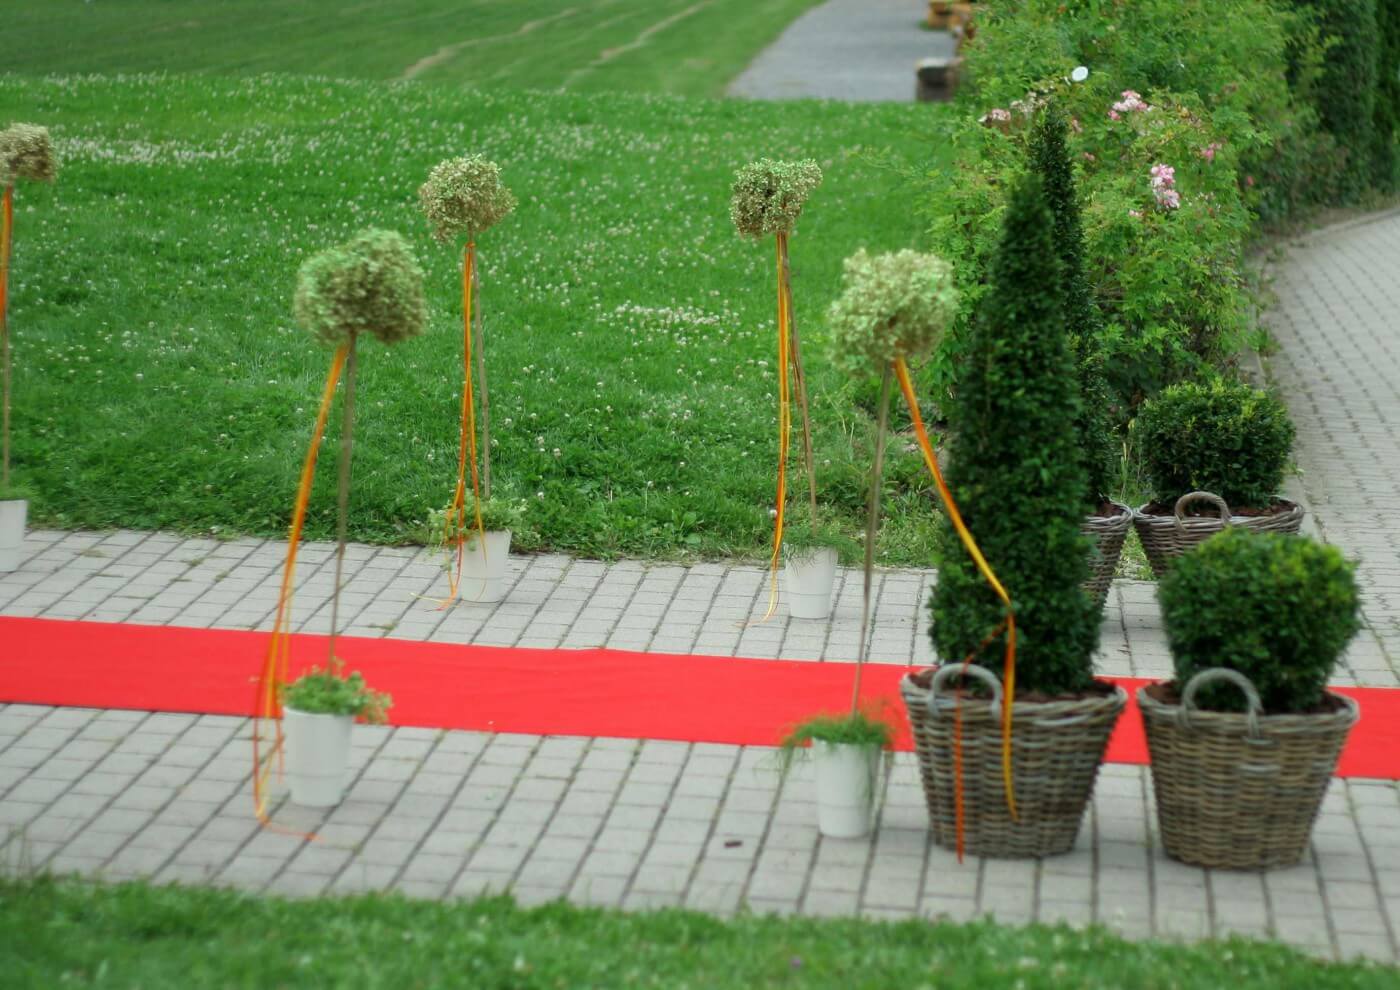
x: 161, y: 383
x: 689, y: 47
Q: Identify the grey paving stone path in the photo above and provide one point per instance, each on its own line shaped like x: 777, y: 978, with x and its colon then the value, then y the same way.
x: 644, y: 823
x: 857, y: 50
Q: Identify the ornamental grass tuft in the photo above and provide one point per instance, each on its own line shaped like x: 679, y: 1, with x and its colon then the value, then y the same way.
x: 1015, y: 471
x: 769, y: 195
x: 26, y: 152
x: 371, y: 283
x: 1277, y: 608
x: 464, y: 195
x: 894, y: 305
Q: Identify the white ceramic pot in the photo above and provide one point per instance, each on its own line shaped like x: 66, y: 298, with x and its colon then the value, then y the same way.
x: 317, y: 756
x: 484, y: 567
x: 808, y: 579
x: 12, y: 515
x: 846, y: 774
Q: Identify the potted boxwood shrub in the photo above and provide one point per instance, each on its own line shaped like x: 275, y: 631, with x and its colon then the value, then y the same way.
x: 845, y: 752
x: 812, y: 547
x: 1012, y: 778
x: 1245, y: 739
x: 26, y: 152
x: 1214, y: 454
x: 319, y: 709
x: 1106, y: 521
x: 466, y: 196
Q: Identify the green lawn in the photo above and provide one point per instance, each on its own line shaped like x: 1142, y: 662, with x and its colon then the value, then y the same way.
x: 161, y: 383
x: 134, y: 935
x: 692, y: 47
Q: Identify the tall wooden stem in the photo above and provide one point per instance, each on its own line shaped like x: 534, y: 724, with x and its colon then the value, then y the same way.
x: 481, y: 380
x: 7, y: 222
x: 799, y: 379
x: 342, y: 499
x: 872, y: 526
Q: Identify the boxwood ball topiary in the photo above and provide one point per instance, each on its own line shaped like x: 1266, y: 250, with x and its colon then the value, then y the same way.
x: 769, y: 195
x: 1015, y: 470
x: 464, y: 195
x: 26, y: 152
x: 1277, y: 608
x: 369, y: 284
x: 1221, y: 436
x: 894, y: 305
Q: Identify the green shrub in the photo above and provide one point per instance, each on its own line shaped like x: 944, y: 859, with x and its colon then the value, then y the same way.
x: 801, y: 533
x: 1049, y: 157
x: 1279, y: 609
x: 1015, y: 471
x: 1385, y: 167
x: 1222, y: 437
x: 1346, y: 92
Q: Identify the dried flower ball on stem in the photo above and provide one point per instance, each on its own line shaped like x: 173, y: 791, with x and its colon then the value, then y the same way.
x: 894, y: 309
x: 26, y: 152
x: 370, y: 284
x: 465, y: 195
x: 767, y: 198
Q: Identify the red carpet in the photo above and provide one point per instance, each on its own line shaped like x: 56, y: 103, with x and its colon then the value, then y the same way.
x: 544, y: 692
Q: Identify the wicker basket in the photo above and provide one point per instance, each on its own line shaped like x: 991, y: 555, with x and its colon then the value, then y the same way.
x: 1108, y: 534
x: 1056, y: 749
x: 1167, y: 537
x: 1235, y: 791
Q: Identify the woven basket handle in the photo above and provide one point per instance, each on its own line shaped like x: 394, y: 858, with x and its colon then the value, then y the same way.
x: 1191, y: 497
x: 1188, y: 696
x: 954, y: 669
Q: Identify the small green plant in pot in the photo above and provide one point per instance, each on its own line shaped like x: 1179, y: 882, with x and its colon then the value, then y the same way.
x: 1012, y: 778
x: 1245, y: 738
x: 319, y: 709
x: 845, y: 752
x: 26, y: 152
x: 478, y: 557
x: 1213, y: 453
x: 812, y: 547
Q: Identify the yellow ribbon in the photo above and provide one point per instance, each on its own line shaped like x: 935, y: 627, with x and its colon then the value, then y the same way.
x: 277, y: 659
x: 784, y: 426
x: 1009, y: 665
x: 466, y: 440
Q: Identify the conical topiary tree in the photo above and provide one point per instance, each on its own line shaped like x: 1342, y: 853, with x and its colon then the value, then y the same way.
x: 767, y: 198
x: 26, y: 152
x: 1049, y: 157
x: 370, y: 284
x: 466, y: 196
x: 1016, y: 471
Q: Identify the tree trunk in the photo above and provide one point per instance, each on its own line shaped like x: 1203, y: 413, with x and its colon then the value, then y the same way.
x: 872, y: 524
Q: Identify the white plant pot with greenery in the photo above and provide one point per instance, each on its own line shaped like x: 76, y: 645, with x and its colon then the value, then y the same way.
x: 484, y: 566
x: 845, y: 752
x: 809, y: 576
x: 13, y: 512
x: 318, y: 756
x: 319, y: 711
x: 846, y: 774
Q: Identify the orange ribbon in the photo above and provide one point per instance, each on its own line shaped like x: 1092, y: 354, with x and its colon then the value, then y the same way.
x: 1009, y: 664
x: 276, y: 662
x: 784, y: 426
x: 466, y: 440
